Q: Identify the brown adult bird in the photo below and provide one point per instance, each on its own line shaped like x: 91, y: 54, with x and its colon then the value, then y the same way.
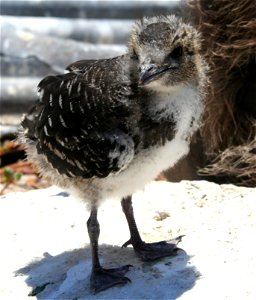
x: 108, y: 127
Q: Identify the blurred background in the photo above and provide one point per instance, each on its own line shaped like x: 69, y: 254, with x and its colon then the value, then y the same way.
x: 42, y: 37
x: 39, y: 38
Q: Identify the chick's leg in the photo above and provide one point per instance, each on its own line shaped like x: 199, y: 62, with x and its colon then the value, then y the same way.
x: 146, y: 251
x: 101, y: 278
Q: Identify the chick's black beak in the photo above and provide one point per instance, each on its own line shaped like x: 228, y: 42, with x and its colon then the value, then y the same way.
x: 151, y: 72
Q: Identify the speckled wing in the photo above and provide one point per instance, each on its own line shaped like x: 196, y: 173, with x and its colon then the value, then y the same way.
x: 82, y: 121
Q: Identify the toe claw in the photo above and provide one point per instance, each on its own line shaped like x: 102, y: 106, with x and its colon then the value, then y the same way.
x: 177, y: 239
x: 126, y: 244
x: 128, y: 279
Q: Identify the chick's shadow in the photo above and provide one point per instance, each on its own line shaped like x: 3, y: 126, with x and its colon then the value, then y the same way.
x: 67, y: 275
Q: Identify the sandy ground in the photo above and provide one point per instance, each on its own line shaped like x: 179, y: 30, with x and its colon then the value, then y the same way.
x: 44, y: 244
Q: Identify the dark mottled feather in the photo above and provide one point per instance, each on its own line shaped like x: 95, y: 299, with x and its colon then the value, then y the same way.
x: 75, y: 139
x: 87, y: 123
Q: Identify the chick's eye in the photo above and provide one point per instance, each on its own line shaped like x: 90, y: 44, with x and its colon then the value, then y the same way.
x: 134, y: 54
x: 176, y: 52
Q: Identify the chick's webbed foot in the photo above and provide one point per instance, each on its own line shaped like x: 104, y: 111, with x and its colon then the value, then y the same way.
x: 146, y: 251
x: 154, y: 251
x: 102, y: 279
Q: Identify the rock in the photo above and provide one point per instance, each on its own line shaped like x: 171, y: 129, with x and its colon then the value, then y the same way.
x: 18, y: 94
x: 45, y: 247
x: 7, y: 130
x: 15, y: 66
x: 86, y: 30
x: 55, y: 52
x: 27, y: 58
x: 88, y: 9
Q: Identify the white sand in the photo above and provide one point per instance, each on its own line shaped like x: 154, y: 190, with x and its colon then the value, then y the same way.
x: 49, y: 229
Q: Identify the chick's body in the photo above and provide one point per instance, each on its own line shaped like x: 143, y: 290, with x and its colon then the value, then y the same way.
x: 110, y: 126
